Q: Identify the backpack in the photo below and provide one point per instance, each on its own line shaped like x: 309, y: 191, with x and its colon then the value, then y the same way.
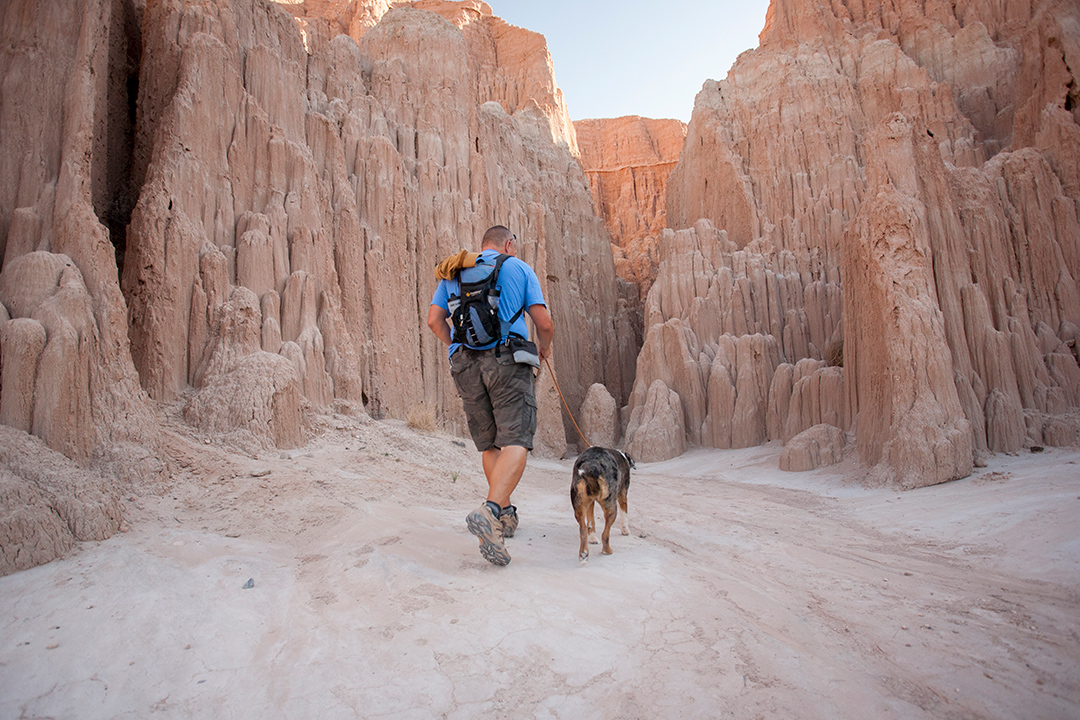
x: 474, y: 311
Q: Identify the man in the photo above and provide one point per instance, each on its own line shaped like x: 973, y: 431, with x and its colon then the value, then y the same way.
x: 499, y: 394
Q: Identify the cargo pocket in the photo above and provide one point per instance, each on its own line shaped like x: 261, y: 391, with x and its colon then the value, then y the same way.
x: 528, y: 419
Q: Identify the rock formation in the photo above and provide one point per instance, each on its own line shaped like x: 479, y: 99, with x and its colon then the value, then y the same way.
x: 350, y: 168
x: 236, y: 206
x: 723, y: 324
x: 627, y: 161
x: 899, y: 178
x: 658, y: 425
x: 47, y: 502
x: 815, y: 447
x: 600, y: 417
x: 67, y: 374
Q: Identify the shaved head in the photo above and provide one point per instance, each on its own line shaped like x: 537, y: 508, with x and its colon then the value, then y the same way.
x: 496, y: 237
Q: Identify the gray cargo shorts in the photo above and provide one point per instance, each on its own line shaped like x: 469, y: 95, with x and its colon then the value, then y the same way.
x: 499, y: 396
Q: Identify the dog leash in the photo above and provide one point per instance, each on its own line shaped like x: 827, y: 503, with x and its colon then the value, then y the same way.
x: 580, y: 434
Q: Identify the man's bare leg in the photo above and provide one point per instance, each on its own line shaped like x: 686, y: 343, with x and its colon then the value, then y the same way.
x: 503, y: 468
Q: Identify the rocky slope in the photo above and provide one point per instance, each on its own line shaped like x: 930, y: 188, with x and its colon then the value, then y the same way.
x: 217, y: 205
x: 901, y: 179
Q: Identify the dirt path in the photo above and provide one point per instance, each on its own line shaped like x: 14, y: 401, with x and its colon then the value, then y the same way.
x: 742, y: 592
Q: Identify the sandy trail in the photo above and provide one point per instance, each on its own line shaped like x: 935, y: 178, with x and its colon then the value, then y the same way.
x: 742, y: 592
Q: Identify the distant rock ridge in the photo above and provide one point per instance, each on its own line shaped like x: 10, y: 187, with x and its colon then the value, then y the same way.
x: 627, y: 161
x: 918, y: 163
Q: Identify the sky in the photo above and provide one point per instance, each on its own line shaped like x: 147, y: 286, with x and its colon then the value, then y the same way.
x: 628, y: 57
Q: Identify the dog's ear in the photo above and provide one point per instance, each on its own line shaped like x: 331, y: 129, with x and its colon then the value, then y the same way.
x: 633, y: 465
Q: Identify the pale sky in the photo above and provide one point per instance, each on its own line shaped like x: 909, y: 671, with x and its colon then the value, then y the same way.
x: 628, y: 57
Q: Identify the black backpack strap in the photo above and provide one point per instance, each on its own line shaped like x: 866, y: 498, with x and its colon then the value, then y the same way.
x: 514, y: 319
x: 509, y: 323
x: 498, y: 266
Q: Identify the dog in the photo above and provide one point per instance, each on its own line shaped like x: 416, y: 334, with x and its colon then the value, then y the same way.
x: 601, y: 475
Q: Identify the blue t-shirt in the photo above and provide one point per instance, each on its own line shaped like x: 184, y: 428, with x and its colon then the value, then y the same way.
x: 518, y: 288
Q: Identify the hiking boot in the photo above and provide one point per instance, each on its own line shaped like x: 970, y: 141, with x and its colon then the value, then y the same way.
x: 509, y: 521
x: 484, y: 525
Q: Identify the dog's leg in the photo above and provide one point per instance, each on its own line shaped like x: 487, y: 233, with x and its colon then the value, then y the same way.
x: 590, y: 514
x: 624, y: 514
x: 583, y: 531
x: 610, y: 511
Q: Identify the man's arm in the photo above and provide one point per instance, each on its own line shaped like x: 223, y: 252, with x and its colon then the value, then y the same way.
x: 436, y: 320
x: 545, y: 330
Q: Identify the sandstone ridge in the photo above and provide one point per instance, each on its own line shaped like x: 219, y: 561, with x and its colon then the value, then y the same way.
x: 898, y: 184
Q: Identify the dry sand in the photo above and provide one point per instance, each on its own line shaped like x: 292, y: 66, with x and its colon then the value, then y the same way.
x: 742, y: 592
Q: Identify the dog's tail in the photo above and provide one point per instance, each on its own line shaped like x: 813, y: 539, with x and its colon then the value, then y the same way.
x: 591, y: 474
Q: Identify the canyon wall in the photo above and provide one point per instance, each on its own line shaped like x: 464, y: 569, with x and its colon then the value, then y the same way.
x: 231, y: 210
x: 66, y: 373
x: 885, y: 196
x: 627, y: 161
x: 345, y: 170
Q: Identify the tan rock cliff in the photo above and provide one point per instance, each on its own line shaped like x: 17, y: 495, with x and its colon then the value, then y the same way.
x: 346, y: 174
x: 922, y: 157
x: 67, y: 372
x: 240, y: 212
